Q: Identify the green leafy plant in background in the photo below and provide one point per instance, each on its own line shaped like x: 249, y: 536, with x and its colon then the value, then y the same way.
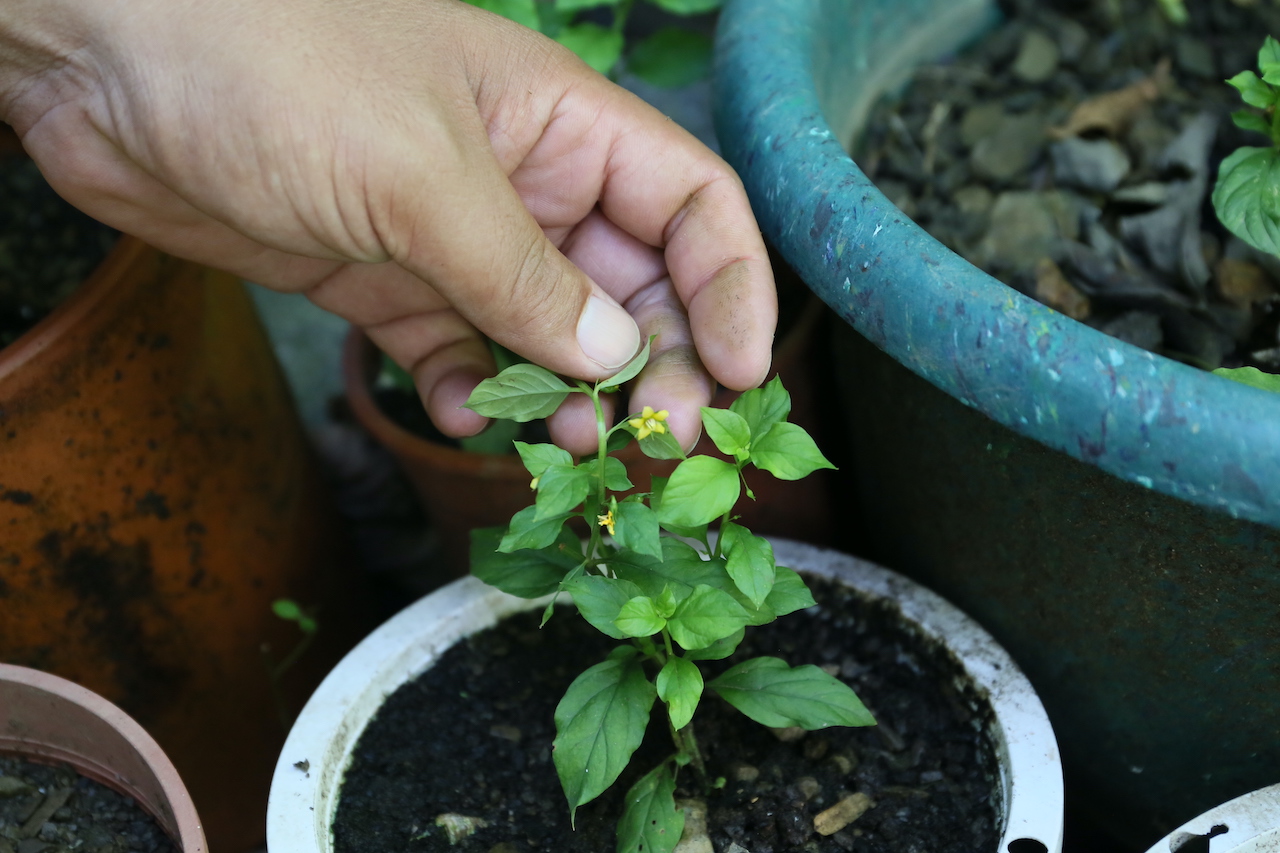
x: 290, y: 611
x: 671, y: 600
x: 1246, y: 196
x: 594, y: 30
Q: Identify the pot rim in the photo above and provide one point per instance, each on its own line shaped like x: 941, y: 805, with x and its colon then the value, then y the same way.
x: 119, y: 754
x: 1247, y: 824
x: 1139, y: 416
x: 77, y: 312
x: 319, y: 746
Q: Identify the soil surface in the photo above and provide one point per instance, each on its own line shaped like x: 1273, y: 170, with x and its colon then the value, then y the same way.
x: 47, y: 247
x: 52, y: 809
x: 1071, y: 153
x: 472, y: 737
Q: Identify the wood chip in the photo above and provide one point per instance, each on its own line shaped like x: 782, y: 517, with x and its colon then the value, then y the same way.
x: 1112, y: 112
x: 842, y: 814
x: 1243, y: 282
x: 53, y: 801
x: 1053, y: 289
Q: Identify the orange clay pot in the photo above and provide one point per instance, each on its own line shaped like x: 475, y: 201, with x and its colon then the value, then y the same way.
x: 156, y: 495
x: 460, y: 490
x: 48, y: 719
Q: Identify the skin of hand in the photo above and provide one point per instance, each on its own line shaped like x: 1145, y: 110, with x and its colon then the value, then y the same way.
x: 421, y: 168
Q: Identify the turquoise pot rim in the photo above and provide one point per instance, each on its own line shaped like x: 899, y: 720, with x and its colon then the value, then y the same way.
x: 1144, y: 418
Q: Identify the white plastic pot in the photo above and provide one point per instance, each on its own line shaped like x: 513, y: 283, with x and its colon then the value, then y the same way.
x: 308, y: 776
x: 1248, y: 824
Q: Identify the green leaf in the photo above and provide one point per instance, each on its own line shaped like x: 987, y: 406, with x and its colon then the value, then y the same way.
x: 789, y: 593
x: 639, y: 617
x: 788, y: 453
x: 650, y: 821
x: 1269, y: 58
x: 727, y: 429
x: 689, y: 7
x: 595, y: 45
x: 537, y: 458
x: 637, y: 529
x: 520, y: 11
x: 618, y: 439
x: 600, y: 600
x: 561, y: 488
x: 707, y: 615
x: 661, y: 445
x: 670, y: 58
x: 658, y: 485
x: 720, y: 649
x: 679, y: 571
x: 774, y: 694
x: 749, y: 561
x: 666, y: 603
x: 599, y: 723
x: 636, y: 364
x: 680, y: 686
x: 763, y: 407
x: 1247, y: 197
x: 522, y: 392
x: 1253, y: 91
x: 286, y: 609
x: 528, y: 531
x: 700, y: 490
x: 1251, y: 376
x: 615, y: 473
x: 527, y: 574
x: 1249, y: 120
x: 571, y: 6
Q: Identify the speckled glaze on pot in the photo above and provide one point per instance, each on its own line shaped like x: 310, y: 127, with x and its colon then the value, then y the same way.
x: 156, y: 494
x: 1107, y: 513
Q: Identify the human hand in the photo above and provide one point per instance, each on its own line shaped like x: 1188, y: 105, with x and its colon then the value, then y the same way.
x: 420, y: 167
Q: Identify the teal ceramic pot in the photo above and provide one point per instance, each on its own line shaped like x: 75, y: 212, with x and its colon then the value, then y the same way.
x: 1108, y: 514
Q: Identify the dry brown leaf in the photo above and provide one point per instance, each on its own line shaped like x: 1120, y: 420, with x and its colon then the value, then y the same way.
x: 1112, y: 112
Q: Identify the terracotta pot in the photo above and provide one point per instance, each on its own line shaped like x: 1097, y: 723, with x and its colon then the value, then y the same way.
x: 156, y: 495
x: 460, y: 490
x: 307, y: 784
x: 48, y: 719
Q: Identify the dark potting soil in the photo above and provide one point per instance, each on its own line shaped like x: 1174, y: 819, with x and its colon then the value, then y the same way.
x: 1106, y: 220
x: 472, y: 737
x: 47, y: 247
x: 53, y: 809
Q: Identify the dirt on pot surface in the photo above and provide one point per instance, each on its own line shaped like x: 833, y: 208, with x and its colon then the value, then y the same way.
x: 47, y: 247
x: 52, y: 809
x: 472, y: 737
x: 1071, y: 153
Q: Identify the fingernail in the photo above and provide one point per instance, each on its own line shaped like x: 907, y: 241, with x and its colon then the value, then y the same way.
x: 607, y: 334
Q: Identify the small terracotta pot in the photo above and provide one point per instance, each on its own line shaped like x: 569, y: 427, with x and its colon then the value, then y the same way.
x: 48, y: 719
x: 157, y: 493
x: 461, y: 490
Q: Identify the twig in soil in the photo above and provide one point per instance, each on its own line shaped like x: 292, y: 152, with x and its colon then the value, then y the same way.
x: 53, y: 801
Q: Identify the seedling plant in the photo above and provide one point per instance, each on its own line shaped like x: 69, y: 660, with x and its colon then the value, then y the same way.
x: 1246, y: 196
x: 650, y: 575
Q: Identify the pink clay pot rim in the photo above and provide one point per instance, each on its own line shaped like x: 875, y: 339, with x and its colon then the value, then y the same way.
x: 179, y: 819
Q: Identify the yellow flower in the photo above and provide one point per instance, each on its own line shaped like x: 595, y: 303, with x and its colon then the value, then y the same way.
x: 606, y: 521
x: 649, y: 422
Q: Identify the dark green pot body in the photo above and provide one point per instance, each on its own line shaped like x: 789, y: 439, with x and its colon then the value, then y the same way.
x: 1109, y: 515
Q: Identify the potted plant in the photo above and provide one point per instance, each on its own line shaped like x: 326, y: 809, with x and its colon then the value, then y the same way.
x: 463, y: 488
x: 671, y: 603
x: 1029, y: 467
x: 1248, y: 824
x: 47, y: 719
x: 156, y: 495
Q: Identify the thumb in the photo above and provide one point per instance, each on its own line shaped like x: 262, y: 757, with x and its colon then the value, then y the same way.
x: 488, y: 256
